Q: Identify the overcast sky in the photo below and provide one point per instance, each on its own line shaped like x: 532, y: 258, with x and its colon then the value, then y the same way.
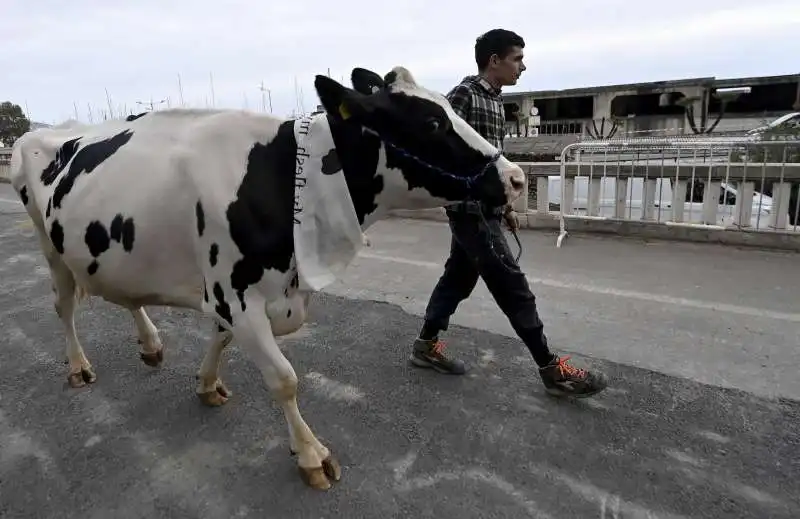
x: 56, y: 54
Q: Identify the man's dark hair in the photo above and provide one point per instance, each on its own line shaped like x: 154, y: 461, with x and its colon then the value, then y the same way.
x: 496, y: 41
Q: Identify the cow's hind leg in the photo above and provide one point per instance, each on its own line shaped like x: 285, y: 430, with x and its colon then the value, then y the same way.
x: 254, y: 332
x: 80, y: 370
x: 152, y: 352
x: 67, y: 294
x: 210, y: 388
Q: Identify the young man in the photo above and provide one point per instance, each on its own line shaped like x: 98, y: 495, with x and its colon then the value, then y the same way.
x: 478, y: 246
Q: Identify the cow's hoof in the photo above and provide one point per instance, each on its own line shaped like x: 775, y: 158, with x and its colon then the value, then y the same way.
x: 319, y: 478
x: 332, y: 468
x: 216, y: 397
x: 82, y: 377
x: 315, y: 478
x: 152, y: 359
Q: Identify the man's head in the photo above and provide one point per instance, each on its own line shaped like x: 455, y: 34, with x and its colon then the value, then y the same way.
x: 432, y: 155
x: 498, y: 54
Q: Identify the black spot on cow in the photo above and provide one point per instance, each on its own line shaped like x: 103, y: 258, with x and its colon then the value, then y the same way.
x: 133, y: 117
x: 57, y: 236
x: 213, y: 254
x: 330, y: 163
x: 260, y: 219
x: 128, y: 234
x: 201, y: 218
x: 92, y: 268
x: 205, y: 291
x: 86, y: 160
x: 49, y: 207
x: 222, y: 308
x: 63, y: 155
x: 98, y: 241
x: 289, y: 314
x: 116, y: 228
x: 97, y: 238
x: 123, y: 231
x: 23, y: 195
x: 220, y: 328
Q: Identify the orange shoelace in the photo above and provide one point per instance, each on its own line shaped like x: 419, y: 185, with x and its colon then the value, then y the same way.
x: 438, y: 348
x: 569, y: 371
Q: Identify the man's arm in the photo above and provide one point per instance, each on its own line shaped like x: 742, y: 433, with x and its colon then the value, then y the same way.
x: 460, y: 99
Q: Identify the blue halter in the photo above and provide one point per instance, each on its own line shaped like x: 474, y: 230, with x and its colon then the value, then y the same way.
x: 468, y: 181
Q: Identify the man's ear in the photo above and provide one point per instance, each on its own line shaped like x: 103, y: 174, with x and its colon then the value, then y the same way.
x: 366, y: 82
x: 339, y: 101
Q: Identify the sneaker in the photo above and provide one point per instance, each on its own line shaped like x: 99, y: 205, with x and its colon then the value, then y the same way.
x: 562, y: 379
x: 430, y: 354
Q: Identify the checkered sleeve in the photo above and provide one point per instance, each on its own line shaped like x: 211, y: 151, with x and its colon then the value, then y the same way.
x: 460, y: 98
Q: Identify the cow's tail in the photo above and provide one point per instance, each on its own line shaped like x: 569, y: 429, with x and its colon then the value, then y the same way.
x: 15, y: 172
x: 20, y: 181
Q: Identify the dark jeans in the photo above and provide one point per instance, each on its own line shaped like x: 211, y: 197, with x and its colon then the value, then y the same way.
x: 471, y: 257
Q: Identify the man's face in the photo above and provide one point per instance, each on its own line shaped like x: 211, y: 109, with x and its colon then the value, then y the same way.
x: 508, y: 70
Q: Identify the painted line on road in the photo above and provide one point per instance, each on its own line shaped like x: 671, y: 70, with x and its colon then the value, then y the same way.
x: 630, y: 294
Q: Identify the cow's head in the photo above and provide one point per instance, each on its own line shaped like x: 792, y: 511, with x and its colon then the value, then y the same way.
x: 432, y: 155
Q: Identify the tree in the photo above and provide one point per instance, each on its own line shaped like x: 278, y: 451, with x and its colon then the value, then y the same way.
x: 13, y: 123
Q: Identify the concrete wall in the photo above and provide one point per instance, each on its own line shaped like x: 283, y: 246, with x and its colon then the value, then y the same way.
x: 549, y: 223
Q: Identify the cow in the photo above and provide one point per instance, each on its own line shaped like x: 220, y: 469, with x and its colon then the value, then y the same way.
x: 242, y: 216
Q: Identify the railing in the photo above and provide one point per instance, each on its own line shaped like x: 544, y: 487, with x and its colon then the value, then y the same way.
x: 5, y: 163
x: 713, y: 183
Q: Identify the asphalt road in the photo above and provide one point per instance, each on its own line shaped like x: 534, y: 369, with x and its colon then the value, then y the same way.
x: 701, y: 421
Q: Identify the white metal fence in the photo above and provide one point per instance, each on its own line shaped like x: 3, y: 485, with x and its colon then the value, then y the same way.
x: 708, y: 182
x: 5, y: 163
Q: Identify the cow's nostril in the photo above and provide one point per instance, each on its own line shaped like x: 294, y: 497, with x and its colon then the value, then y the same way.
x: 517, y: 183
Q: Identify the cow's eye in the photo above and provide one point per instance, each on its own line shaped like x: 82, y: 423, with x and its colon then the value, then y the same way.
x: 432, y: 125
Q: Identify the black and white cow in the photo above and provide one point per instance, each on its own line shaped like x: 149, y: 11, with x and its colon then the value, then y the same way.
x: 242, y: 215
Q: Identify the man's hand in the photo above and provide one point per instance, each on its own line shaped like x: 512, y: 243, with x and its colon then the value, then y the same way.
x: 511, y: 219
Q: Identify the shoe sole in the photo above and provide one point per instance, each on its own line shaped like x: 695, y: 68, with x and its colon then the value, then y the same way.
x: 429, y: 365
x: 562, y: 394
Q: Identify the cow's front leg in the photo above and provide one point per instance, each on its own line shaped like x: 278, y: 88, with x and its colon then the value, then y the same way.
x: 210, y: 388
x: 152, y: 352
x: 254, y: 331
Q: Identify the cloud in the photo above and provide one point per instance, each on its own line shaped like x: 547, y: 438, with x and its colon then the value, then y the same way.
x: 59, y: 54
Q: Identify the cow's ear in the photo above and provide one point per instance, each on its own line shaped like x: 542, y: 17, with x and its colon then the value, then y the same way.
x: 366, y: 82
x: 400, y: 76
x: 338, y: 100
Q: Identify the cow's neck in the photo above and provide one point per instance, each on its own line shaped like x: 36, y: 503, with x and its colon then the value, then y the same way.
x: 359, y: 154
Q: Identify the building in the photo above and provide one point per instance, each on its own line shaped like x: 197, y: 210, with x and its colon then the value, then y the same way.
x: 685, y: 106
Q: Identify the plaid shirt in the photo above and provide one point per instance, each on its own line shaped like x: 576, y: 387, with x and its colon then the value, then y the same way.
x: 480, y: 104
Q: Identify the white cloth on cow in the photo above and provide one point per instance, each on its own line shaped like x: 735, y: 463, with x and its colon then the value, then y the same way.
x: 327, y: 235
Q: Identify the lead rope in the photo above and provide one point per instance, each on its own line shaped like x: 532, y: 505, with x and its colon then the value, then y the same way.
x: 491, y: 242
